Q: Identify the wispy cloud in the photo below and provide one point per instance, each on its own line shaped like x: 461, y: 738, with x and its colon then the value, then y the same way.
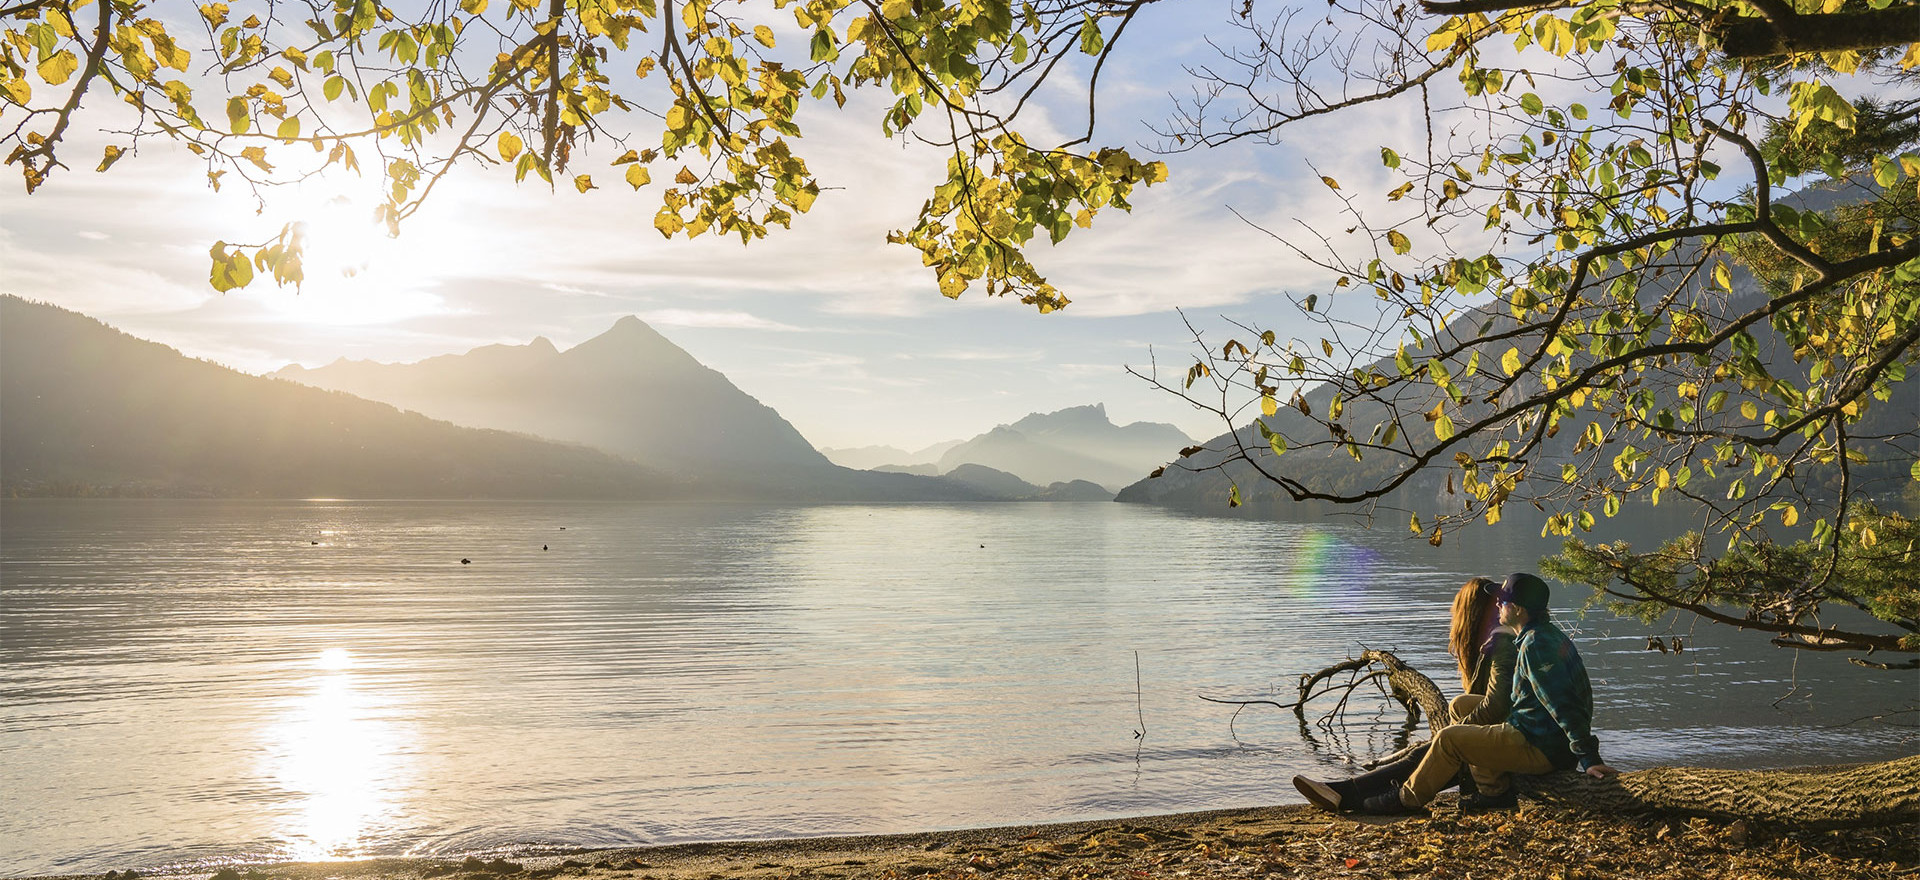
x: 731, y: 320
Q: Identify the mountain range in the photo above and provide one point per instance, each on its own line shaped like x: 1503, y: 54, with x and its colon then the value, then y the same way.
x: 90, y: 410
x: 1074, y: 444
x: 628, y: 391
x: 627, y: 414
x: 1203, y: 482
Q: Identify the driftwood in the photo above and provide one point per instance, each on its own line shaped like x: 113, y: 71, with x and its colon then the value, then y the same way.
x: 1807, y: 797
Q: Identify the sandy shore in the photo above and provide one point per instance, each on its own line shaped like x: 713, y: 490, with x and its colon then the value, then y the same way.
x: 1254, y: 844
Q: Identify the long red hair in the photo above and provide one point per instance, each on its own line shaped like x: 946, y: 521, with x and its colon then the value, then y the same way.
x: 1474, y: 615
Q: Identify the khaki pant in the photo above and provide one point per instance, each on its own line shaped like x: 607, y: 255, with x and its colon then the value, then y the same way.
x: 1489, y: 751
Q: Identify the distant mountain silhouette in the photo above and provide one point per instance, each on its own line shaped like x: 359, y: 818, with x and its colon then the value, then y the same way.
x: 628, y: 391
x: 888, y: 457
x: 1006, y: 486
x: 633, y: 393
x: 1078, y: 443
x: 90, y: 410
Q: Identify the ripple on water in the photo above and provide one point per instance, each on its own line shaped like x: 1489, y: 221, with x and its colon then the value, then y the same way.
x: 183, y: 682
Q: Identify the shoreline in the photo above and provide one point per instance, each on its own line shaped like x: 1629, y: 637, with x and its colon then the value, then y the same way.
x: 1254, y: 843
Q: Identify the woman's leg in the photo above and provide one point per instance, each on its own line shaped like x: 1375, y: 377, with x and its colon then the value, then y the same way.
x: 1346, y: 795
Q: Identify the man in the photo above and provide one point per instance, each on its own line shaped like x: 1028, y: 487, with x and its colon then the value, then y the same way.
x: 1547, y: 729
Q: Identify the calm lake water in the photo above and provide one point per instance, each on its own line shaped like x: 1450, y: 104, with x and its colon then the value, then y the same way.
x: 184, y: 683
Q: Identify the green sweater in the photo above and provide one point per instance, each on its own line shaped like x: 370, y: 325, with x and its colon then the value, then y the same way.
x: 1493, y: 679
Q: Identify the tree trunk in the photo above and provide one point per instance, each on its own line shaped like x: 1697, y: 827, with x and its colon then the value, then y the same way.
x: 1804, y: 797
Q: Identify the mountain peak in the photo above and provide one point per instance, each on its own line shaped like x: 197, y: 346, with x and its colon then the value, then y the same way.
x: 1091, y: 416
x: 632, y: 344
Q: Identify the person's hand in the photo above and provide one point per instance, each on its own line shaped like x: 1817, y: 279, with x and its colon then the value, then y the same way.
x: 1601, y: 771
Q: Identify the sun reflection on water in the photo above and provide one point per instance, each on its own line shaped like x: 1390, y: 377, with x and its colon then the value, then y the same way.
x: 338, y: 761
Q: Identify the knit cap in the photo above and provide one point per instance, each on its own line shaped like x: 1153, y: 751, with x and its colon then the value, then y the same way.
x: 1527, y: 591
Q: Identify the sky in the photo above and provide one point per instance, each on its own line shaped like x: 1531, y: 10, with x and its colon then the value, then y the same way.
x: 842, y: 333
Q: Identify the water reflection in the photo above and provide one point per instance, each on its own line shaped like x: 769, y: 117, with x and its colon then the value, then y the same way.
x: 339, y: 763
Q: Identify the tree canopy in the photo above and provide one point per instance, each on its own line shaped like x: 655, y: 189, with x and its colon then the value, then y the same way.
x: 705, y: 94
x: 1585, y: 282
x: 1592, y: 287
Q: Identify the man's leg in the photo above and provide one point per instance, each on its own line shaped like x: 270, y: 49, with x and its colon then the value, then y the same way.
x: 1492, y: 750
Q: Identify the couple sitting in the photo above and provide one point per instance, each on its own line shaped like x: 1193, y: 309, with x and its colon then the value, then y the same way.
x: 1528, y: 709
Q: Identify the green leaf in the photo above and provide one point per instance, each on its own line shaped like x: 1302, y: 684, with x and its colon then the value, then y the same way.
x: 823, y: 48
x: 1090, y: 40
x: 1531, y: 103
x: 1400, y: 243
x: 237, y: 115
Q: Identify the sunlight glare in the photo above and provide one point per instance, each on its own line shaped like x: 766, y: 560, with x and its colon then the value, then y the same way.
x: 335, y: 658
x: 338, y: 763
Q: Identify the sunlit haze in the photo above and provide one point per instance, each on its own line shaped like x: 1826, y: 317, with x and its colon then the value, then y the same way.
x: 845, y: 335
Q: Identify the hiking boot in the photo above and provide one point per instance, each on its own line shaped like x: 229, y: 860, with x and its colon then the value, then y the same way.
x: 1318, y: 793
x: 1481, y: 803
x: 1388, y: 804
x: 1468, y: 787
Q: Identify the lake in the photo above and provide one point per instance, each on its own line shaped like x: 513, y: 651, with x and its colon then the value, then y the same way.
x: 200, y: 682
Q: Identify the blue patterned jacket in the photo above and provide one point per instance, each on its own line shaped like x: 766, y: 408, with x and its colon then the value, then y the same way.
x: 1552, y: 699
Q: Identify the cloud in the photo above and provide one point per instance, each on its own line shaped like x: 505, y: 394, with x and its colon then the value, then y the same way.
x: 731, y: 320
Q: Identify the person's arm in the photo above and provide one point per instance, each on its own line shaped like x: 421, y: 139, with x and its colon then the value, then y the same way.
x: 1552, y: 679
x: 1497, y: 700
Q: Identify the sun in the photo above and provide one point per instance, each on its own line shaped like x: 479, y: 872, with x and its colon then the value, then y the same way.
x: 341, y: 237
x: 355, y: 273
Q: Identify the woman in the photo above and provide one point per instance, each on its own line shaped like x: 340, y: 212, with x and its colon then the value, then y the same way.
x: 1483, y: 649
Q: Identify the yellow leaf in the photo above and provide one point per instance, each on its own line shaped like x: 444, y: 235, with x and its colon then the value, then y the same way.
x: 509, y: 145
x: 17, y: 91
x: 668, y: 222
x: 764, y: 35
x: 583, y: 182
x: 1401, y: 244
x: 258, y: 156
x: 1511, y: 361
x: 1330, y: 182
x: 628, y: 156
x: 1790, y: 516
x: 59, y: 67
x: 113, y: 155
x: 474, y: 7
x: 282, y: 76
x: 686, y: 176
x: 1268, y: 406
x: 637, y: 176
x: 289, y: 128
